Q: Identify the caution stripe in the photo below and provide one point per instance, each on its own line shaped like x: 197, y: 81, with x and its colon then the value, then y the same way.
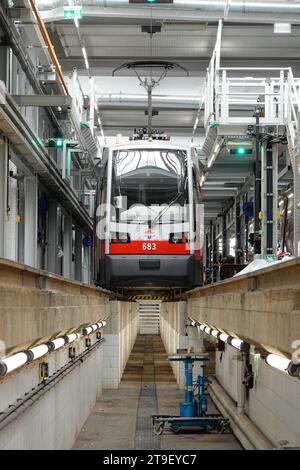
x: 139, y: 298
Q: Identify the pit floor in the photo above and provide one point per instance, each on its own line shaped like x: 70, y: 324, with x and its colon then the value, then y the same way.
x: 121, y: 418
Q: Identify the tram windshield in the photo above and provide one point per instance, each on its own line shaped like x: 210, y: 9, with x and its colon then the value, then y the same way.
x: 149, y: 182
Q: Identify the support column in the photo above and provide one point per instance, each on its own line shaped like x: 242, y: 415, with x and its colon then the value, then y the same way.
x: 241, y: 390
x: 214, y: 248
x: 78, y: 254
x: 297, y: 199
x: 52, y: 237
x: 269, y: 195
x: 30, y: 228
x: 207, y: 257
x: 257, y: 188
x: 243, y: 228
x: 195, y: 342
x: 224, y: 237
x: 3, y: 193
x: 211, y: 235
x: 86, y: 264
x: 238, y: 240
x: 120, y: 334
x: 67, y: 247
x: 11, y: 225
x: 183, y: 339
x: 246, y: 247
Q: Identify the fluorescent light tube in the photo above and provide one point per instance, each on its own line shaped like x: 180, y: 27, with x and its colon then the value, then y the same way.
x: 39, y: 351
x: 236, y: 343
x: 84, y: 53
x: 278, y: 362
x: 223, y: 337
x: 13, y: 362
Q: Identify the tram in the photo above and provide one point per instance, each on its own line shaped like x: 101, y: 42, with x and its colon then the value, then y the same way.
x: 149, y: 223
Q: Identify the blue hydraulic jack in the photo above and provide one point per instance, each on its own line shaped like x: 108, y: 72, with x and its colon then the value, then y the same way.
x: 193, y: 410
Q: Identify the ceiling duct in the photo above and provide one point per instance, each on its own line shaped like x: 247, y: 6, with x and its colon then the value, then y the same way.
x: 236, y: 10
x: 127, y: 98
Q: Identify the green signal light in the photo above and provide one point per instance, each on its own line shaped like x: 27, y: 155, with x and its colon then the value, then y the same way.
x: 59, y: 143
x: 241, y: 150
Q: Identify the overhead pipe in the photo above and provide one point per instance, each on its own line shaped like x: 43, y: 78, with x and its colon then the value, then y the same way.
x: 130, y: 98
x: 218, y: 7
x: 245, y: 430
x: 25, y: 63
x: 48, y: 43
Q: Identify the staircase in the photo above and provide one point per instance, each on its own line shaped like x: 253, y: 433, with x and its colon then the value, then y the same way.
x: 149, y: 318
x: 89, y: 139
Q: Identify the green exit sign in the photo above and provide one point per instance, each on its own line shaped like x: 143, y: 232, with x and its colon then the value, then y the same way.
x: 74, y: 13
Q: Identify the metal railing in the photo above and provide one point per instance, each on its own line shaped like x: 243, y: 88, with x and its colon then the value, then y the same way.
x: 233, y: 96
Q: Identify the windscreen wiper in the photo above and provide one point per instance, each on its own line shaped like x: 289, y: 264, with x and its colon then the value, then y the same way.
x: 163, y: 211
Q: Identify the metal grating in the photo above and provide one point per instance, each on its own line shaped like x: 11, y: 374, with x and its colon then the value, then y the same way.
x: 145, y: 439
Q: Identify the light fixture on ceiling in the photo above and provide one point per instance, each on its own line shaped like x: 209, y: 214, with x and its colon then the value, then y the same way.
x: 214, y: 154
x: 203, y: 179
x: 196, y: 124
x: 282, y: 28
x: 84, y: 53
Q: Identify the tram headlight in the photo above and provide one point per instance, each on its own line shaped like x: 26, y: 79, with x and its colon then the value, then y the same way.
x: 181, y: 237
x: 120, y: 237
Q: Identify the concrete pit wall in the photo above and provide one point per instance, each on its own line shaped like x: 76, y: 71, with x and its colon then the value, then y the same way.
x: 274, y: 402
x: 35, y: 305
x: 55, y: 419
x: 261, y: 307
x: 272, y: 406
x: 120, y: 335
x: 177, y: 334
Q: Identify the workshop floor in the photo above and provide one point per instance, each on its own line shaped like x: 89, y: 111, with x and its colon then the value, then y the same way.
x: 120, y: 419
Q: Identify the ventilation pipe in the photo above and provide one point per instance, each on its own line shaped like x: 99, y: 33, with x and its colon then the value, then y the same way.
x: 238, y: 10
x: 122, y: 98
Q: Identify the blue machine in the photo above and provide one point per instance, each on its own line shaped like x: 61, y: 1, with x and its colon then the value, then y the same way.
x: 193, y: 409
